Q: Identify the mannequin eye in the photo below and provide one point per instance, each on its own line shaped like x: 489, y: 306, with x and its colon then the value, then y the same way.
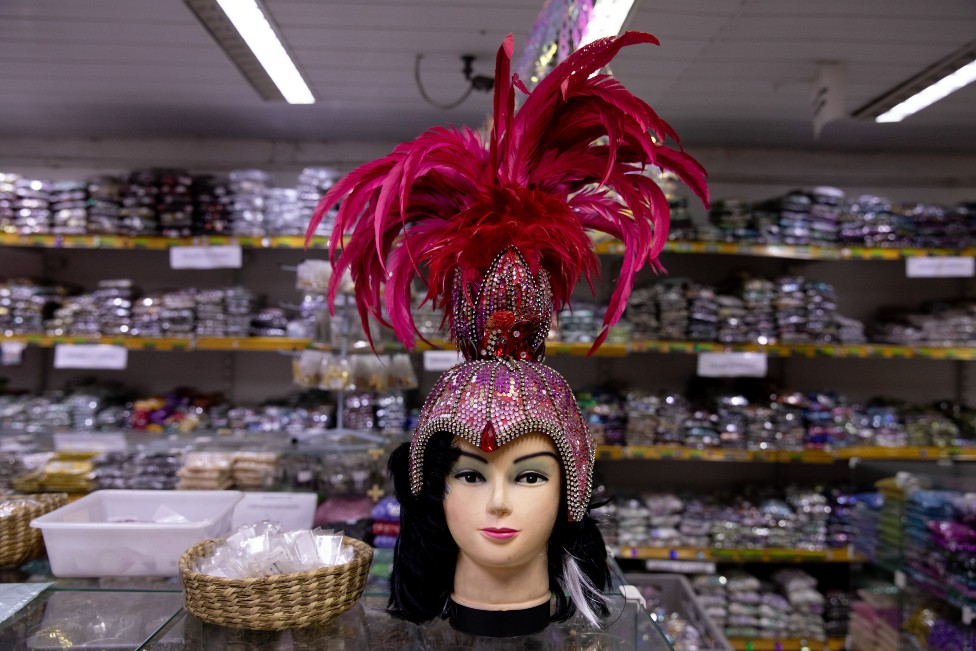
x: 469, y: 477
x: 532, y: 478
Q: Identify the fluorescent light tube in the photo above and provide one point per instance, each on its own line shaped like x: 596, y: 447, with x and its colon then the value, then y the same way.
x: 607, y: 19
x: 928, y: 96
x: 257, y: 32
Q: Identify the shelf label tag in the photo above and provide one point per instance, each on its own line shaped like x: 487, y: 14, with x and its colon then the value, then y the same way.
x: 732, y: 364
x: 900, y: 581
x: 90, y: 441
x: 206, y: 257
x: 631, y: 593
x: 441, y: 360
x: 15, y: 444
x: 102, y: 356
x: 680, y: 567
x: 12, y: 353
x: 292, y: 510
x: 940, y: 267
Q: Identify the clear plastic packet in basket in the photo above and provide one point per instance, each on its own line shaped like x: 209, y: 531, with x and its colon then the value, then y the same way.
x: 263, y: 549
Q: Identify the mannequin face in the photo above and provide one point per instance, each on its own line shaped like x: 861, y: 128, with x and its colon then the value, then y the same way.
x: 501, y: 506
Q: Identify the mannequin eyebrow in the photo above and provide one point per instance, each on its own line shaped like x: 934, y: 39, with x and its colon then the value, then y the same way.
x: 537, y: 454
x: 518, y: 460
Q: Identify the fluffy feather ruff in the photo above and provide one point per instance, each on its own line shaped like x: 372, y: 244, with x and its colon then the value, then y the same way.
x: 570, y: 160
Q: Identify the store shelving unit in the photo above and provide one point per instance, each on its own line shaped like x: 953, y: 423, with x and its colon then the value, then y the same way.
x: 831, y: 644
x: 836, y: 252
x: 555, y: 348
x: 602, y: 247
x: 157, y: 243
x: 680, y: 453
x: 719, y: 555
x: 637, y: 347
x: 169, y: 344
x: 858, y: 351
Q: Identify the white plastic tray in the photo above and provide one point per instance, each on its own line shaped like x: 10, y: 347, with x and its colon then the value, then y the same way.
x: 112, y: 532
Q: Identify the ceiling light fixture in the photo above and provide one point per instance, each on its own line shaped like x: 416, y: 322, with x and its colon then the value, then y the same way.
x: 608, y: 19
x: 244, y: 31
x: 257, y: 32
x: 924, y: 89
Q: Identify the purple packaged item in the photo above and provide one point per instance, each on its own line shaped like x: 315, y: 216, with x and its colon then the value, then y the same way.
x: 950, y: 534
x: 387, y: 509
x: 384, y: 542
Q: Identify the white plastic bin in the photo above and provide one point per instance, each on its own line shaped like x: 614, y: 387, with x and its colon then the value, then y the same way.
x: 113, y: 532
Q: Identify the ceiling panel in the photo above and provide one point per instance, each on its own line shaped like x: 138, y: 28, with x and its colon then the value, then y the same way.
x: 728, y: 72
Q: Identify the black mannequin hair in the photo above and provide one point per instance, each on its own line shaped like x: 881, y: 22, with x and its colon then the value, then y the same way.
x: 424, y: 558
x: 425, y: 553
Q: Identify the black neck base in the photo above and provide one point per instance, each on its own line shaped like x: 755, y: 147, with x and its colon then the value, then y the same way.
x: 497, y: 623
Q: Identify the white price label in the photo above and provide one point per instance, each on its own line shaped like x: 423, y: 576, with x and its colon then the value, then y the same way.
x: 680, y: 567
x: 14, y: 444
x: 632, y: 593
x: 104, y: 356
x: 206, y: 257
x: 732, y: 364
x: 940, y: 267
x: 12, y: 353
x: 441, y: 360
x: 292, y: 510
x: 900, y: 581
x: 90, y: 441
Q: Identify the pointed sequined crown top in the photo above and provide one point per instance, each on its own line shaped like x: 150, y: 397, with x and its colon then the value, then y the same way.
x: 507, y: 315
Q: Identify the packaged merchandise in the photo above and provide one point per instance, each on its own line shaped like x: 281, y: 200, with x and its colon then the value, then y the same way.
x: 386, y: 523
x: 206, y: 471
x: 760, y: 517
x: 778, y: 420
x: 787, y: 605
x: 824, y: 216
x: 263, y: 549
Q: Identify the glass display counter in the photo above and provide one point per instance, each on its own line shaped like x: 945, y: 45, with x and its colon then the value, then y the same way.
x: 148, y: 614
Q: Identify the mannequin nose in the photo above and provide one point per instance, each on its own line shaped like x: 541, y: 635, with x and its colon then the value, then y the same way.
x: 499, y: 500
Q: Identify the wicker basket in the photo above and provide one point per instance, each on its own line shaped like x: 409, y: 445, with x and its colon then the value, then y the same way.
x: 274, y: 602
x: 21, y: 543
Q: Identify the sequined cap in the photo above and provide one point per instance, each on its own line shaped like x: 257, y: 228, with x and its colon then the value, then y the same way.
x: 503, y: 390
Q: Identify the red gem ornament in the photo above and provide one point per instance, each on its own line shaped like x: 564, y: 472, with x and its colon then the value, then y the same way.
x: 501, y: 320
x: 488, y: 442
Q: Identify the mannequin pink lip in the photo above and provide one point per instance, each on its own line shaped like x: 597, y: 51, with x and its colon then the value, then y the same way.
x: 500, y: 534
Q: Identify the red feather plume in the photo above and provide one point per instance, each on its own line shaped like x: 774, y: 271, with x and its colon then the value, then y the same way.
x: 567, y: 162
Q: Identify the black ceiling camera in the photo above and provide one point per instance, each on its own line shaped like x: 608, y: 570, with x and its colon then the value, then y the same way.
x: 478, y: 82
x: 475, y: 82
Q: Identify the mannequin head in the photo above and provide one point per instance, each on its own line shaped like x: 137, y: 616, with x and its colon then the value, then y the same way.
x: 440, y: 533
x: 500, y: 508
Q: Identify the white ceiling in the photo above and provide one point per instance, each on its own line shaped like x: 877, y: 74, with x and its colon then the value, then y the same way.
x: 728, y: 72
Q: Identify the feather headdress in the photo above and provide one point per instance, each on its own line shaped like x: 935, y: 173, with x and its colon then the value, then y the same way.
x: 568, y: 161
x: 498, y: 230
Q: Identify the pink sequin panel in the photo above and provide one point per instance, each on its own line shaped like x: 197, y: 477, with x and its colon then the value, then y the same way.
x: 507, y: 407
x: 474, y: 400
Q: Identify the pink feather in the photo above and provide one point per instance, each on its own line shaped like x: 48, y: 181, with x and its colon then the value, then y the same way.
x: 568, y: 161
